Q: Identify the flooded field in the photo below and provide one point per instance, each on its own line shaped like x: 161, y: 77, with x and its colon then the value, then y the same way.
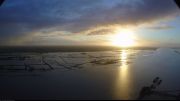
x: 105, y: 75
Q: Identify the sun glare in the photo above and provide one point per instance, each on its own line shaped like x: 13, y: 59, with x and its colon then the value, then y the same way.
x: 123, y: 38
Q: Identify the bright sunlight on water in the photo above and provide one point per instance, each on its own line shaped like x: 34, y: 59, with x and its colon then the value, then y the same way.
x: 122, y: 88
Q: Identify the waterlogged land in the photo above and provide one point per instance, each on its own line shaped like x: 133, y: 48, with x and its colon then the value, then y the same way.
x: 61, y: 60
x: 117, y: 74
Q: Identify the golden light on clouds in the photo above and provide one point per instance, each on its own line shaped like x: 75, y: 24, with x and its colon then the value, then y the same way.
x: 123, y: 38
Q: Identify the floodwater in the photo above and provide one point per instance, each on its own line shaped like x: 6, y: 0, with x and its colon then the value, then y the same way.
x: 116, y: 75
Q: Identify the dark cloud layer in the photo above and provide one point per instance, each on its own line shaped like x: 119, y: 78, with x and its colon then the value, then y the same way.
x: 21, y: 17
x: 161, y: 27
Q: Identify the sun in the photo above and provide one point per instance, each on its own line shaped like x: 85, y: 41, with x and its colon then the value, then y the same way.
x: 123, y: 38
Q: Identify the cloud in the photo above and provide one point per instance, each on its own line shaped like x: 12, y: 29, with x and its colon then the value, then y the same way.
x: 23, y: 17
x: 101, y: 32
x: 161, y: 27
x: 132, y: 13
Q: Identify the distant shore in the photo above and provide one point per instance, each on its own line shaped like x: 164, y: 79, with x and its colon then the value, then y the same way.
x: 65, y: 48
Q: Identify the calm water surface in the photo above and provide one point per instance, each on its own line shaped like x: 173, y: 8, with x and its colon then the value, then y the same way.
x: 116, y: 75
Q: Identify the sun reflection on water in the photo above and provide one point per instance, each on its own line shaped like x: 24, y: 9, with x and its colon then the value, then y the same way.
x: 122, y: 85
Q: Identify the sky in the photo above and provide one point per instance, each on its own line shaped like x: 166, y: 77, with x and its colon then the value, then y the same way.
x: 88, y: 22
